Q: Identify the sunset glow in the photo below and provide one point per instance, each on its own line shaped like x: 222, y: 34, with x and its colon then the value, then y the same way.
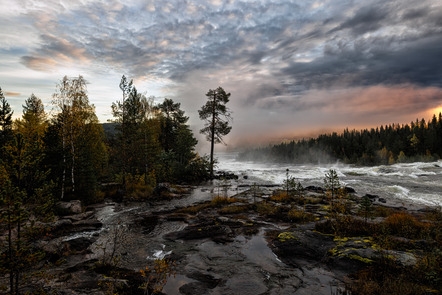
x: 436, y: 111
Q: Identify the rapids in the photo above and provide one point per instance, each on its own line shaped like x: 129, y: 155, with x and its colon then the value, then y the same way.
x: 411, y: 183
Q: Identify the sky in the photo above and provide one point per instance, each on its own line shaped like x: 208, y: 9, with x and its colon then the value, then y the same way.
x: 293, y: 68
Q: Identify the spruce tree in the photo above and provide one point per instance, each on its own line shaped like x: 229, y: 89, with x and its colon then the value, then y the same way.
x: 5, y: 122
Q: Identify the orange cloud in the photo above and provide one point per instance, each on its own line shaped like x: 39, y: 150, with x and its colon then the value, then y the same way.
x: 8, y: 93
x: 39, y: 63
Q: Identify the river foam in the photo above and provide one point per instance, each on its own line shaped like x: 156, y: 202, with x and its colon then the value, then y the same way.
x: 419, y: 182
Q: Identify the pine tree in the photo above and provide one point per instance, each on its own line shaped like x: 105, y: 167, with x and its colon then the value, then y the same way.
x: 5, y: 123
x: 365, y: 207
x: 216, y: 116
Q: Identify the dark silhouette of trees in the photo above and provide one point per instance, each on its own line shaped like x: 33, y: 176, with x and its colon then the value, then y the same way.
x: 152, y: 142
x: 216, y: 116
x: 25, y: 190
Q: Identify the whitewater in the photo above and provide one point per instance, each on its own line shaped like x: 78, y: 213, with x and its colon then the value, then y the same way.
x: 416, y: 183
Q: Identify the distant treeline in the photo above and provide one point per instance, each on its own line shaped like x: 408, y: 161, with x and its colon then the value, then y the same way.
x: 418, y: 141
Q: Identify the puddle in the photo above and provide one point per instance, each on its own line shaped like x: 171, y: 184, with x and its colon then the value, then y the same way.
x: 258, y: 252
x: 174, y: 284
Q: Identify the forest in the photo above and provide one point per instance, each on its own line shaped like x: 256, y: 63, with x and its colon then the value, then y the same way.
x: 69, y: 155
x: 395, y: 143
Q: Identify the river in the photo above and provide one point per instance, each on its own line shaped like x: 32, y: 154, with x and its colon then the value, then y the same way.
x: 255, y: 268
x: 412, y: 183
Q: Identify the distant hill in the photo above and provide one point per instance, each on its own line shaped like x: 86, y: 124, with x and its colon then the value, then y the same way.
x: 109, y: 128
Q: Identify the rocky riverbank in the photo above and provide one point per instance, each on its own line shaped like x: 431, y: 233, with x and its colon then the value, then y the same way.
x: 256, y: 242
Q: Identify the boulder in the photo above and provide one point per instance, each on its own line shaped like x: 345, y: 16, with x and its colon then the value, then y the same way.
x: 297, y: 247
x: 349, y: 190
x: 81, y: 216
x: 78, y: 244
x: 70, y: 207
x: 403, y: 258
x: 371, y: 197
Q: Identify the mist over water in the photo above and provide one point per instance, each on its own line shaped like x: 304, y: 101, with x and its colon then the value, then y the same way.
x: 417, y: 183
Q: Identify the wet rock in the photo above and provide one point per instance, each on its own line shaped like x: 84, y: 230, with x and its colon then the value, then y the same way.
x: 403, y: 258
x: 161, y: 188
x: 75, y: 223
x: 77, y: 245
x: 203, y: 284
x: 295, y: 247
x: 225, y: 175
x: 382, y: 200
x: 87, y: 225
x: 349, y: 190
x: 85, y: 280
x: 231, y: 223
x: 81, y: 216
x: 206, y: 279
x: 351, y: 254
x: 147, y: 222
x: 62, y: 225
x: 246, y: 284
x: 371, y: 197
x: 316, y: 189
x: 70, y: 207
x: 178, y: 217
x: 193, y: 288
x: 218, y: 233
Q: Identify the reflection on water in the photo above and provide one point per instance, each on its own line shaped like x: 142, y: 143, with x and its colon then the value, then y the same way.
x: 258, y: 252
x: 174, y: 283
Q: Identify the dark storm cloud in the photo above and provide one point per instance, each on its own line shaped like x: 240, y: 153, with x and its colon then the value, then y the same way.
x: 366, y: 19
x: 351, y: 65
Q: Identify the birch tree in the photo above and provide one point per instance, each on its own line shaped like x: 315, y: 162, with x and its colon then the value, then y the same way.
x: 77, y: 121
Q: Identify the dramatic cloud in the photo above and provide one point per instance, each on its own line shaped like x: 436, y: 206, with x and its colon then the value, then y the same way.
x: 292, y: 67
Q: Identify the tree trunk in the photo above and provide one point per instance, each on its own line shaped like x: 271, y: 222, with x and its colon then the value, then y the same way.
x: 17, y: 271
x: 73, y: 156
x: 11, y: 268
x: 212, y: 141
x: 63, y: 178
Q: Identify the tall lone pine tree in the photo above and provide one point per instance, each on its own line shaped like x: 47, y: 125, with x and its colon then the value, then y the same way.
x: 216, y: 116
